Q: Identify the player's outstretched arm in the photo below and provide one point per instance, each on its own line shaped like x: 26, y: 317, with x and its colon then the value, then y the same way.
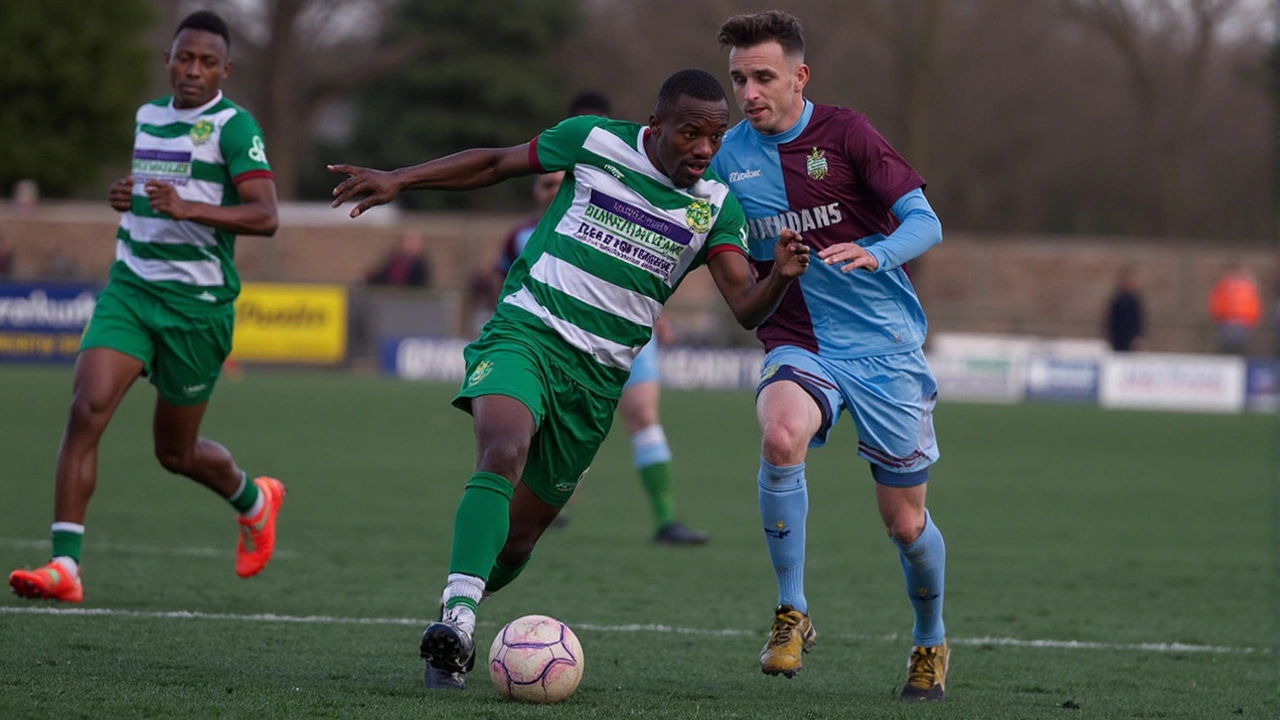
x: 466, y: 170
x: 751, y: 301
x: 255, y: 215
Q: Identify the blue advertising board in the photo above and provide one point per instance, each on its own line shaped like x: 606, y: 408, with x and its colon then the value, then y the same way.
x: 1262, y: 390
x: 42, y: 322
x: 1063, y: 379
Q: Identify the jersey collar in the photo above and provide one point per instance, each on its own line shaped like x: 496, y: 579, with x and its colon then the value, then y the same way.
x: 196, y: 110
x: 793, y: 133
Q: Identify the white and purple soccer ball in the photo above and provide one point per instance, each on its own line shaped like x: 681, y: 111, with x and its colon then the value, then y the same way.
x: 535, y: 659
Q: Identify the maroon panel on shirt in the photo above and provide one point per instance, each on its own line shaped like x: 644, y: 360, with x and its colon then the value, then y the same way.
x: 842, y: 177
x: 790, y: 324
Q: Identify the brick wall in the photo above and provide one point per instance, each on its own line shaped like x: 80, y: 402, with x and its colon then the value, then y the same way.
x: 1041, y: 285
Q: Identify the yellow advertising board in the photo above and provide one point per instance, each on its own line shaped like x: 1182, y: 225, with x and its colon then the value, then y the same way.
x: 280, y: 323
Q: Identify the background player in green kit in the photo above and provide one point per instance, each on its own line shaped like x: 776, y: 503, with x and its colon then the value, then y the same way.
x: 638, y: 210
x: 200, y: 177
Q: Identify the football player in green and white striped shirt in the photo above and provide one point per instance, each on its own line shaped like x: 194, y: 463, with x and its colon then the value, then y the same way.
x: 200, y: 177
x: 638, y: 210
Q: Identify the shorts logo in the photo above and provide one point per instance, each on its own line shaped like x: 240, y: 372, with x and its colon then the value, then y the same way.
x: 698, y: 216
x: 201, y: 132
x: 481, y: 372
x: 193, y: 389
x: 769, y: 372
x: 566, y: 486
x: 816, y: 164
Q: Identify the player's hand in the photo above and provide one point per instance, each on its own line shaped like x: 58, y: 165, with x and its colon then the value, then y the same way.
x: 165, y: 199
x: 855, y: 256
x: 790, y: 255
x: 379, y: 186
x: 121, y: 194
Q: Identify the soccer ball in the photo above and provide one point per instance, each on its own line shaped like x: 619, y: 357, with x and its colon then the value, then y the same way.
x: 535, y: 659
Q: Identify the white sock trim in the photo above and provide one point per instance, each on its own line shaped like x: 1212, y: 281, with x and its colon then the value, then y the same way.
x: 244, y: 483
x: 256, y: 507
x: 648, y: 436
x: 68, y: 527
x: 69, y: 564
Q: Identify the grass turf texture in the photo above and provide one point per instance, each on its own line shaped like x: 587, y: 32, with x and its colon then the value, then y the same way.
x: 1062, y: 523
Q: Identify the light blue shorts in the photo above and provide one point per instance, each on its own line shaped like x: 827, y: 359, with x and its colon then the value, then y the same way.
x: 645, y: 367
x: 890, y: 398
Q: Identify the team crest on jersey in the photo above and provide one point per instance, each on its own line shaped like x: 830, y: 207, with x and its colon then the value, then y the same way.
x: 816, y: 164
x: 201, y: 132
x: 698, y: 215
x: 481, y: 372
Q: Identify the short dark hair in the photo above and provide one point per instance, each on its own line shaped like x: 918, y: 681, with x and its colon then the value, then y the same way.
x: 207, y: 21
x: 589, y: 102
x: 695, y: 83
x: 749, y: 30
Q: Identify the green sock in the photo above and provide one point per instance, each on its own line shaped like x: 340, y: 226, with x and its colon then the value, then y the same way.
x: 480, y: 525
x: 657, y: 483
x: 501, y: 576
x: 67, y: 544
x: 246, y: 496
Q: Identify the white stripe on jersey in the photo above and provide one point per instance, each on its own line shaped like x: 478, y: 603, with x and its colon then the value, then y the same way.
x: 203, y: 273
x: 610, y: 146
x: 164, y: 230
x: 209, y: 151
x: 164, y: 114
x: 205, y: 191
x: 605, y: 351
x: 588, y: 288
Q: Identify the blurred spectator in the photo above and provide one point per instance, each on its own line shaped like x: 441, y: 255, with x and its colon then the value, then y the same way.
x: 6, y: 259
x: 589, y: 102
x: 1126, y: 315
x: 1235, y: 307
x: 405, y: 266
x: 26, y: 195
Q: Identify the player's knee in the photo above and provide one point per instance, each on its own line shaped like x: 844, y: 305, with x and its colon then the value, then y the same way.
x: 503, y: 457
x: 175, y: 460
x: 905, y: 527
x: 784, y: 442
x: 90, y: 411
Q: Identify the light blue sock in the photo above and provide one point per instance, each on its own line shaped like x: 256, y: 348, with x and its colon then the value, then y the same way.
x: 784, y: 504
x: 924, y: 564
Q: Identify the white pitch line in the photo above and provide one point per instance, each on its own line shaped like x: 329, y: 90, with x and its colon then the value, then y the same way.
x: 179, y: 551
x: 630, y: 628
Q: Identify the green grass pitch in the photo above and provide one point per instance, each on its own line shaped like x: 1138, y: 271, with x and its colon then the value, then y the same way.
x: 1112, y: 536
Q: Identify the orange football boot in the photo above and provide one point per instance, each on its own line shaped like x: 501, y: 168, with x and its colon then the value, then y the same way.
x: 51, y: 582
x: 258, y: 533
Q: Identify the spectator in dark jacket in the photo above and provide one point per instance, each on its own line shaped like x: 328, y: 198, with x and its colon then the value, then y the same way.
x: 1126, y: 316
x: 405, y: 266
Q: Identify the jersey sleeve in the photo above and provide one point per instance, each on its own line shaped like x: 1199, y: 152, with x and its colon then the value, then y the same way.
x: 243, y: 149
x: 730, y: 230
x: 557, y: 148
x: 886, y: 173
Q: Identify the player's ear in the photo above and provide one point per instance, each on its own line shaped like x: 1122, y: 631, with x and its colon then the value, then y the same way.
x: 655, y: 125
x: 802, y: 76
x: 226, y: 70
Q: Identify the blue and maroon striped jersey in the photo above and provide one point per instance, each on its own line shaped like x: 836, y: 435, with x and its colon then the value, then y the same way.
x: 833, y: 179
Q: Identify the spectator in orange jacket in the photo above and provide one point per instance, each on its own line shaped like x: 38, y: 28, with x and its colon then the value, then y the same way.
x: 1235, y: 307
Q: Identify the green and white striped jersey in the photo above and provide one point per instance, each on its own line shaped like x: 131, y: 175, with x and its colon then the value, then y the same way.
x: 203, y: 152
x: 612, y: 248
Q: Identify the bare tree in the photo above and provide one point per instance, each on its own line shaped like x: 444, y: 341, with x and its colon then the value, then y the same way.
x: 1167, y: 50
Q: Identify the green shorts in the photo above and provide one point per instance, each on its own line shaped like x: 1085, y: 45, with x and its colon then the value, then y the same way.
x: 181, y: 354
x: 571, y: 421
